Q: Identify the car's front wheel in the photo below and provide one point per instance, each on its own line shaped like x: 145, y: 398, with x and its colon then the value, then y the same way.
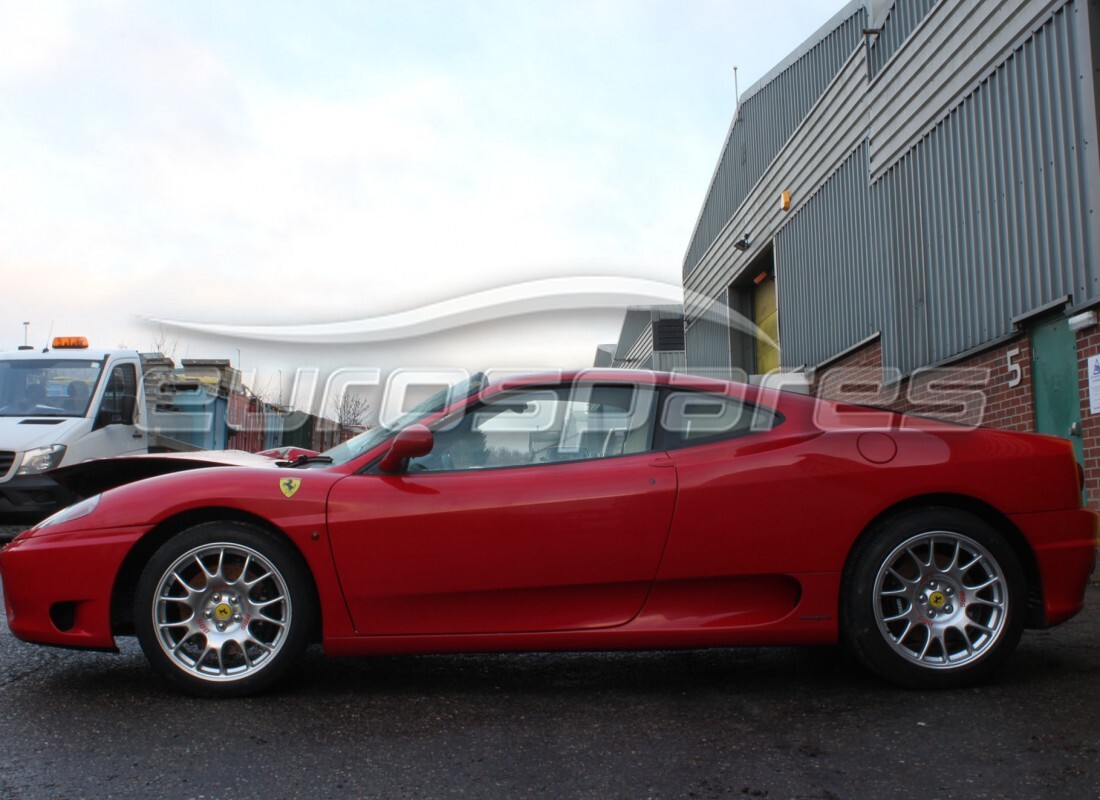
x: 224, y: 609
x: 933, y: 598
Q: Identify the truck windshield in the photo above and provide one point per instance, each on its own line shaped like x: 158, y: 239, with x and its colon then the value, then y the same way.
x: 47, y: 387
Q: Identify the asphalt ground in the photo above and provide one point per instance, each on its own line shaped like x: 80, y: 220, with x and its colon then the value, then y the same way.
x: 770, y: 722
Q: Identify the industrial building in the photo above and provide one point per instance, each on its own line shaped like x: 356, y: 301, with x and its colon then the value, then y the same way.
x: 915, y: 188
x: 652, y: 337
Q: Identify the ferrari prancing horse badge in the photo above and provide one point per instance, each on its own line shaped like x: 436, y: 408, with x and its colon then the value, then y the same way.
x: 290, y: 485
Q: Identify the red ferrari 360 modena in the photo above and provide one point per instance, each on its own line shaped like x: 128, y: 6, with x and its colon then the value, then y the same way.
x: 595, y: 510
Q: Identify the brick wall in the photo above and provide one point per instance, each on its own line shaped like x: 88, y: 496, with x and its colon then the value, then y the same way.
x: 1007, y: 407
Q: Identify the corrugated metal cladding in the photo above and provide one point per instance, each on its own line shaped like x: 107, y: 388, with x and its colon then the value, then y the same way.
x: 635, y: 324
x: 669, y: 361
x: 605, y: 354
x: 708, y: 341
x: 989, y: 215
x: 764, y: 122
x: 830, y: 269
x: 641, y: 351
x: 639, y: 340
x: 895, y: 29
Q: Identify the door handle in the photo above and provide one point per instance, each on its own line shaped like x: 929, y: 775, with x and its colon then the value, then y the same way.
x: 1075, y: 429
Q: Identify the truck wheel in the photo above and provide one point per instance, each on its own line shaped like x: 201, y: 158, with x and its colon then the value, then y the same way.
x: 224, y: 609
x: 933, y: 598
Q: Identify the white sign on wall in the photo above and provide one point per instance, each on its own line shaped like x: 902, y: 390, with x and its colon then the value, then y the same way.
x: 1094, y: 384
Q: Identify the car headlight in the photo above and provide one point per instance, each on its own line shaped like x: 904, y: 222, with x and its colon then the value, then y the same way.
x: 69, y: 513
x: 41, y: 459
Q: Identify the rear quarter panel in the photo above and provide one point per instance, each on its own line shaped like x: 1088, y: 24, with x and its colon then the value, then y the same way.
x: 795, y: 499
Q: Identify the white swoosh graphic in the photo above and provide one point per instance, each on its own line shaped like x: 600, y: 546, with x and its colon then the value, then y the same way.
x: 549, y: 294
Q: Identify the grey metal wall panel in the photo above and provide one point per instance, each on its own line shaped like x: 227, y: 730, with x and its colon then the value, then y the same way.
x: 957, y: 46
x: 830, y: 268
x: 605, y: 354
x: 634, y: 323
x: 989, y: 216
x: 986, y: 215
x: 823, y: 142
x: 899, y: 23
x: 641, y: 352
x: 763, y: 124
x: 635, y: 348
x: 669, y: 361
x: 708, y: 341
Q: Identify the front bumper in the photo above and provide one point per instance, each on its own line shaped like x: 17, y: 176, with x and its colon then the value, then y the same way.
x: 58, y: 587
x: 30, y: 498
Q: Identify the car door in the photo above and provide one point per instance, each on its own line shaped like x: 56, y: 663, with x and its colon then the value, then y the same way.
x: 542, y: 509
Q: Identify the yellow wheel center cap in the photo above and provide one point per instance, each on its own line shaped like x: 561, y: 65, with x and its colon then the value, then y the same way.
x: 937, y: 599
x: 223, y: 612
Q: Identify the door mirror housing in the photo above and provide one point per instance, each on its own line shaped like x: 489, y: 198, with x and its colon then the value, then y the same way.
x: 413, y: 442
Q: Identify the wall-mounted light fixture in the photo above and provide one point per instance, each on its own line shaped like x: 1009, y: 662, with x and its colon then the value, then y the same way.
x: 785, y: 201
x: 744, y: 243
x: 1086, y: 319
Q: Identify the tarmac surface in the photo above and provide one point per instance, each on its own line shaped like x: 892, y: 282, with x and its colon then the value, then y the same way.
x: 769, y: 722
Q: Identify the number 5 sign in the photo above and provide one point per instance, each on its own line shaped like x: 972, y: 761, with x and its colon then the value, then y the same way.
x: 1015, y: 372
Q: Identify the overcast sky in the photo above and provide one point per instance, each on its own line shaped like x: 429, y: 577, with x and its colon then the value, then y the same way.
x: 277, y: 162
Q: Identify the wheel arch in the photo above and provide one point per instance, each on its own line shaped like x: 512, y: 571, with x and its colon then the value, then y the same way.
x: 985, y: 512
x: 122, y: 595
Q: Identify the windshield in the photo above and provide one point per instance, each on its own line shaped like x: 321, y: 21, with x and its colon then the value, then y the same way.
x: 364, y: 442
x: 47, y: 387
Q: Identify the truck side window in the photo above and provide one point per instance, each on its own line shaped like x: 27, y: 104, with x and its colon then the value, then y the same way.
x: 119, y: 396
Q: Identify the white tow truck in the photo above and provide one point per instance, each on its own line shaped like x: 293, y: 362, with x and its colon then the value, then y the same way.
x: 59, y: 406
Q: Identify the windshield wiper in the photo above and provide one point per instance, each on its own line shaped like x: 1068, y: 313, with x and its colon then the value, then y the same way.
x: 302, y: 460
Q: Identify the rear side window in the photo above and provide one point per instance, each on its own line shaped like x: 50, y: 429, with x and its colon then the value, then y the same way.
x: 690, y: 418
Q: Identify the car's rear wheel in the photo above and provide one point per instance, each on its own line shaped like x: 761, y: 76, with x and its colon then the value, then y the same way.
x: 933, y: 598
x: 224, y: 609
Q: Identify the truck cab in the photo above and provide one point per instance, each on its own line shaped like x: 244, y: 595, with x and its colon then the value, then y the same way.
x: 59, y: 406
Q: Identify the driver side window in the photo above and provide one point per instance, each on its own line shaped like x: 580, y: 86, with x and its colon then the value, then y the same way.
x: 118, y: 398
x: 544, y: 426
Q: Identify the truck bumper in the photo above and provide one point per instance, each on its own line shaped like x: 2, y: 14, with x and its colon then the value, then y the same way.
x: 30, y: 498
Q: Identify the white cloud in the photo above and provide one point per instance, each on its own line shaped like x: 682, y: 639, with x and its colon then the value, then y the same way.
x: 33, y: 38
x: 209, y: 160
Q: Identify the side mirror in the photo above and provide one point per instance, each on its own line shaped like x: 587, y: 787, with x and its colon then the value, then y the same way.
x: 414, y: 441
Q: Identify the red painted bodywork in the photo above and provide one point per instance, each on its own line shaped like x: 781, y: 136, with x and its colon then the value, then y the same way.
x: 733, y: 542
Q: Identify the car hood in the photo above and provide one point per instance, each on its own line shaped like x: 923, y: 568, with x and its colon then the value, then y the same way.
x: 101, y: 474
x: 23, y: 433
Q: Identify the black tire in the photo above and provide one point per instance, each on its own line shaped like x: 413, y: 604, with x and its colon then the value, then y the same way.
x: 242, y: 622
x: 933, y: 598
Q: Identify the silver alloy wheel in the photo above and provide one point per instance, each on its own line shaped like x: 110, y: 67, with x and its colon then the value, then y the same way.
x: 941, y: 600
x: 221, y: 612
